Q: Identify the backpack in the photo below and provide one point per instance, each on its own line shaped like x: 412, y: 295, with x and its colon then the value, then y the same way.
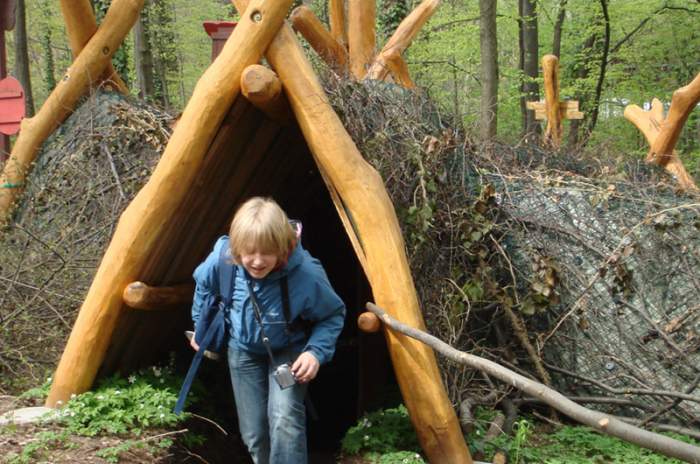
x: 210, y: 333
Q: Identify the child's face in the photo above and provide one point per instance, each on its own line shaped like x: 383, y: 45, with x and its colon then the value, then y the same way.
x: 258, y: 263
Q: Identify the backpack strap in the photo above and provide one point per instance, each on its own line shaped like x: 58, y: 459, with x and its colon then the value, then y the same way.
x: 227, y: 275
x: 196, y: 361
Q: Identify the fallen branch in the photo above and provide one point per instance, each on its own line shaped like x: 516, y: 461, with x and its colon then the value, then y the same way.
x: 602, y: 422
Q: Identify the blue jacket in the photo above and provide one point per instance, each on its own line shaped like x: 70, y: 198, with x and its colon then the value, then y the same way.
x: 311, y: 297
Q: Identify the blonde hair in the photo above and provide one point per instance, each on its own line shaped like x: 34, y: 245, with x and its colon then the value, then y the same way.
x: 261, y: 225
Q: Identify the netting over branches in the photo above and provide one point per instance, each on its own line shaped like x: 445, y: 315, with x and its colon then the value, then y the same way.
x: 578, y: 272
x: 88, y: 172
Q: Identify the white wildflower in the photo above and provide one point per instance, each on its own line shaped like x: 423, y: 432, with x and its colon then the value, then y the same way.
x: 366, y: 438
x: 132, y: 378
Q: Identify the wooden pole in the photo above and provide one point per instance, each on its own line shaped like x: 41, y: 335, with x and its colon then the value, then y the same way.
x: 336, y: 17
x: 361, y: 35
x: 262, y: 87
x: 683, y: 101
x: 550, y: 72
x: 364, y: 196
x: 399, y: 71
x: 402, y: 38
x: 152, y: 212
x: 138, y: 295
x: 307, y: 24
x: 80, y: 26
x: 91, y: 62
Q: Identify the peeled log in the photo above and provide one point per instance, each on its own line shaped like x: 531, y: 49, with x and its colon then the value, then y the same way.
x: 307, y: 24
x: 362, y: 192
x: 138, y: 295
x: 80, y: 26
x: 92, y: 61
x: 156, y: 206
x: 649, y: 124
x: 399, y: 71
x: 336, y: 18
x: 361, y: 35
x: 262, y: 87
x: 402, y: 38
x: 369, y: 322
x: 683, y: 101
x: 550, y: 72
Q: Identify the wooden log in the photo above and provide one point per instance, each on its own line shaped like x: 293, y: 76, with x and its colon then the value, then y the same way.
x: 364, y: 196
x: 154, y: 210
x: 361, y: 35
x: 80, y: 26
x: 261, y: 86
x: 402, y: 38
x: 369, y: 322
x: 683, y: 101
x: 399, y: 71
x: 138, y: 295
x: 550, y: 72
x: 91, y: 61
x: 649, y: 124
x: 336, y: 17
x: 328, y: 48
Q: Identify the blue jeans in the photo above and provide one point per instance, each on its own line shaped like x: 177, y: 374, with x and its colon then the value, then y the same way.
x: 272, y: 421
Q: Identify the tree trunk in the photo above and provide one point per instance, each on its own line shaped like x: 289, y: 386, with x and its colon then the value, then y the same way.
x: 558, y: 26
x: 49, y: 67
x: 581, y: 72
x: 143, y: 60
x: 603, y: 64
x: 22, y: 57
x: 530, y: 52
x: 489, y: 69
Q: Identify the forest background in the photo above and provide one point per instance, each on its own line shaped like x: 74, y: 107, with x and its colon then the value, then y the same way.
x: 612, y: 53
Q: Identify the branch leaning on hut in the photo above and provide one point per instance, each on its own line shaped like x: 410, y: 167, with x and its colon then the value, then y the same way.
x: 601, y: 422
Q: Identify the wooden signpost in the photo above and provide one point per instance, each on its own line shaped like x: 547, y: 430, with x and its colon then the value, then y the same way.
x: 551, y: 109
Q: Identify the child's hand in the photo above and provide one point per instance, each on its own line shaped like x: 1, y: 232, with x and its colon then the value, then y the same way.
x: 305, y: 367
x: 193, y: 344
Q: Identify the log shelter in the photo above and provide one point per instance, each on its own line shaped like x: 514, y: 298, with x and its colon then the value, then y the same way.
x: 227, y: 146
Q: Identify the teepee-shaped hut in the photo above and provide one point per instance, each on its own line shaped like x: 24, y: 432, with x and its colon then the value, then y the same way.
x: 225, y: 148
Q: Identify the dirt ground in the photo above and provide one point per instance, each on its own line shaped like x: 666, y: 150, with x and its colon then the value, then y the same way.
x: 14, y: 440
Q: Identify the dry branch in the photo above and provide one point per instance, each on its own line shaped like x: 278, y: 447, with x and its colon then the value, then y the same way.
x: 602, y: 422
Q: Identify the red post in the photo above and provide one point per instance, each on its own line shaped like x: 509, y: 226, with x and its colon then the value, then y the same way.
x: 219, y: 32
x: 7, y: 23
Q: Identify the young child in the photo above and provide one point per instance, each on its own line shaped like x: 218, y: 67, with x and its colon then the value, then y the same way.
x: 265, y: 248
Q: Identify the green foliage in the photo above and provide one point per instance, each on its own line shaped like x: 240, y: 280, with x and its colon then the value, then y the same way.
x: 567, y: 445
x: 37, y: 393
x: 121, y: 405
x: 113, y: 453
x: 387, y: 434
